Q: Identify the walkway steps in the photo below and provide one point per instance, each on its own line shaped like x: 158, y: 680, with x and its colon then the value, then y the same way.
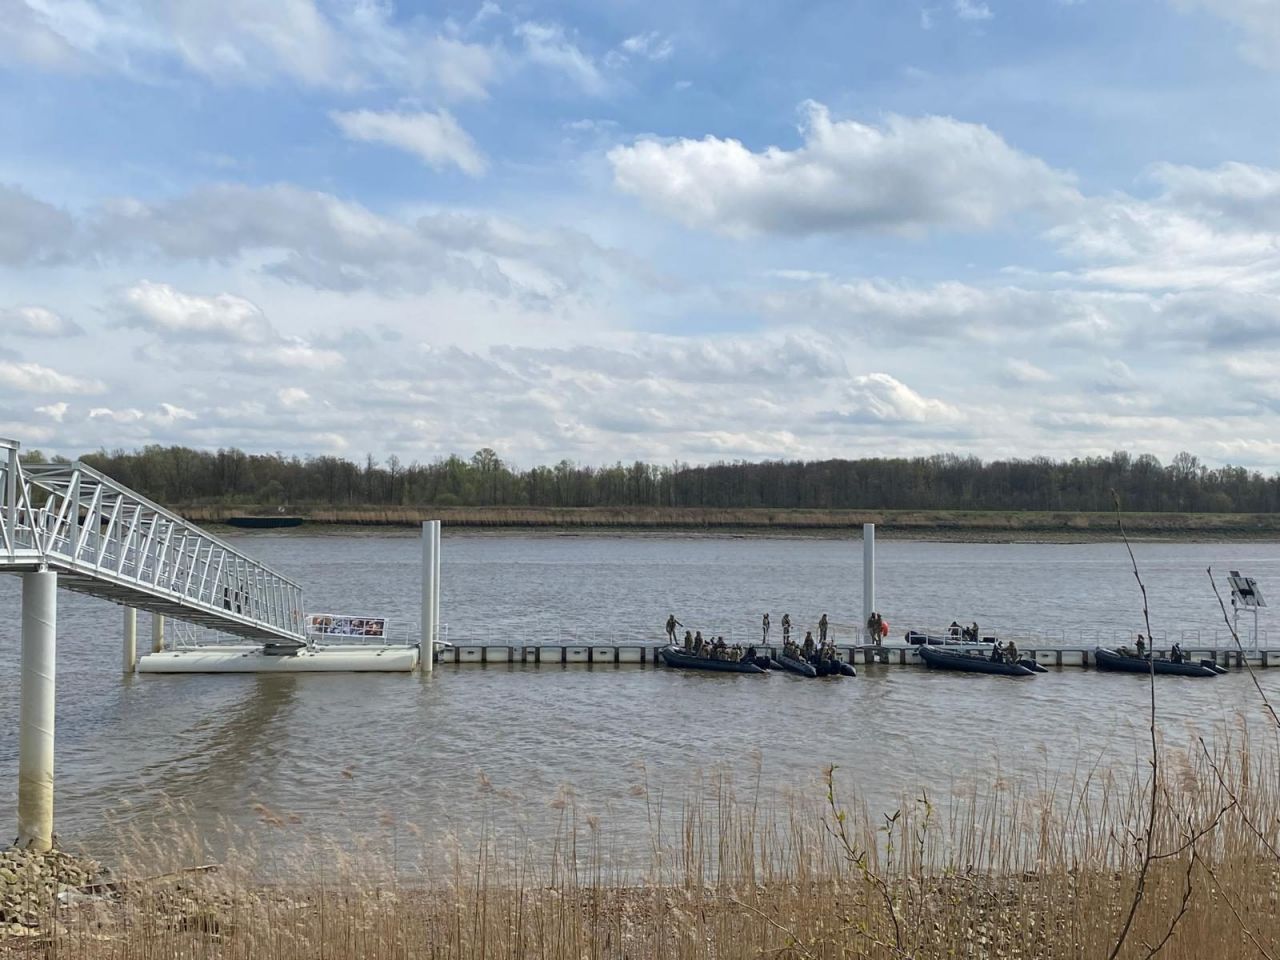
x: 105, y: 540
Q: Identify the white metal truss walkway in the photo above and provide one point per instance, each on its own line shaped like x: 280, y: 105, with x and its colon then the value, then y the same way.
x: 103, y: 539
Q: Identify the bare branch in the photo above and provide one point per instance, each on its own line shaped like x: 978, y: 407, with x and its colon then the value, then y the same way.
x: 1141, y: 886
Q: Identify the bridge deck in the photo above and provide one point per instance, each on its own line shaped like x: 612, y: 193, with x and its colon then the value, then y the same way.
x: 106, y: 540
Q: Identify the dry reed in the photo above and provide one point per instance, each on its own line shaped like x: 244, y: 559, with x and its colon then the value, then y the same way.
x: 1002, y: 872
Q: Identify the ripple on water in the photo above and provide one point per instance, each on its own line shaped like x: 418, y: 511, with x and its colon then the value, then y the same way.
x: 346, y: 753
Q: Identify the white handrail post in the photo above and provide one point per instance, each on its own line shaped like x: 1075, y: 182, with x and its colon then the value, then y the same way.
x: 130, y: 639
x: 35, y: 730
x: 11, y: 487
x: 430, y: 621
x: 157, y: 633
x: 868, y: 575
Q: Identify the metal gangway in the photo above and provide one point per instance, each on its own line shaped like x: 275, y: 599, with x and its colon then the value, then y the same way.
x: 65, y: 524
x: 103, y: 539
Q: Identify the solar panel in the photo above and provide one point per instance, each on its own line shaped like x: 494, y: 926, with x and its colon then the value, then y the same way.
x: 1244, y: 590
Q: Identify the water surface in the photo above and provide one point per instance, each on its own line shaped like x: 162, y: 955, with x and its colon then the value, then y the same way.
x: 344, y: 753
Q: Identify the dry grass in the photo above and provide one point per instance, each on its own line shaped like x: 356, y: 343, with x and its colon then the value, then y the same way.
x: 933, y: 523
x: 1005, y: 872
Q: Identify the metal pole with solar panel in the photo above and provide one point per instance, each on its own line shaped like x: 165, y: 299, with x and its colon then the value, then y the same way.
x: 1245, y: 593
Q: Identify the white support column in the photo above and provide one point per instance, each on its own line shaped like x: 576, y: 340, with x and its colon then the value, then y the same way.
x: 435, y: 622
x: 35, y: 729
x: 157, y: 633
x: 430, y: 591
x: 868, y: 574
x: 130, y: 651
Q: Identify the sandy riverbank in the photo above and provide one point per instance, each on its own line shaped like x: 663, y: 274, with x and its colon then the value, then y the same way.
x: 1000, y: 872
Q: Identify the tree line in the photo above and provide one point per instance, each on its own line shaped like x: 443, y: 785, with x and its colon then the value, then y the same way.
x: 180, y: 475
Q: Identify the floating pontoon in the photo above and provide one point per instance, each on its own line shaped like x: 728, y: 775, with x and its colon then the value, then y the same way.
x: 335, y: 644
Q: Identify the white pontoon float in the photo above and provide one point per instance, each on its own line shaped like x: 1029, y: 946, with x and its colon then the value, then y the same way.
x: 334, y: 644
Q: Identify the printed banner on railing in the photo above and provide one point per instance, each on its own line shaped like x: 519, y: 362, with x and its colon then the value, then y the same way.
x: 329, y: 625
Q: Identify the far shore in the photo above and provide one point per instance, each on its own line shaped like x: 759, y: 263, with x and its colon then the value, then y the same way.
x: 948, y: 525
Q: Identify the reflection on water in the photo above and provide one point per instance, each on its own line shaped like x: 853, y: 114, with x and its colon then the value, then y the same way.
x: 342, y: 754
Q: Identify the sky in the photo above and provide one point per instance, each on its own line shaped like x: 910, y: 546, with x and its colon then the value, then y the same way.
x: 661, y: 231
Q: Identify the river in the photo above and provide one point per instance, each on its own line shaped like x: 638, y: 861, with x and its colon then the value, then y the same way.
x: 340, y: 755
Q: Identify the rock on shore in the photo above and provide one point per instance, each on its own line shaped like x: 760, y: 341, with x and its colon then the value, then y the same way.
x: 30, y: 882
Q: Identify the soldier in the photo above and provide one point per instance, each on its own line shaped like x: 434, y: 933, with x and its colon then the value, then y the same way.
x: 672, y: 623
x: 822, y: 629
x: 764, y: 626
x: 786, y: 627
x: 808, y: 645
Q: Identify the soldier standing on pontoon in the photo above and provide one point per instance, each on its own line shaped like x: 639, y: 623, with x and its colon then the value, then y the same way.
x: 764, y: 626
x: 822, y: 629
x: 672, y: 623
x: 786, y: 627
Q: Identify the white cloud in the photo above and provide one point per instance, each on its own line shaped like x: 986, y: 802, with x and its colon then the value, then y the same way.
x: 37, y: 322
x: 317, y: 240
x: 906, y: 175
x: 26, y: 36
x: 344, y: 46
x: 434, y: 138
x: 880, y: 398
x: 35, y: 378
x: 649, y: 46
x: 55, y: 411
x: 1257, y: 20
x: 161, y: 309
x: 1239, y: 193
x: 250, y: 340
x: 730, y: 359
x: 950, y: 315
x: 408, y: 56
x: 1113, y: 376
x: 292, y: 396
x: 1026, y: 372
x: 171, y: 413
x: 291, y: 353
x: 972, y: 10
x: 1208, y: 228
x: 163, y: 416
x: 546, y: 45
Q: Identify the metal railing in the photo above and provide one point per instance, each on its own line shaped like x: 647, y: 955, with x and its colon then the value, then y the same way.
x: 109, y: 541
x: 330, y: 628
x: 1218, y: 638
x: 569, y: 633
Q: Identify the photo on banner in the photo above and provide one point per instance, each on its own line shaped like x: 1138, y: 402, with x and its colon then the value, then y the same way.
x: 326, y: 624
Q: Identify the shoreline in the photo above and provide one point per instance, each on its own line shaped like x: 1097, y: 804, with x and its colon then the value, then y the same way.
x: 939, y: 525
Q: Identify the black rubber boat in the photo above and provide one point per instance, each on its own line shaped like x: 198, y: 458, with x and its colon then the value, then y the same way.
x: 941, y: 660
x: 834, y: 668
x: 678, y: 658
x: 1111, y: 660
x: 264, y: 523
x: 1213, y: 666
x: 1032, y: 665
x: 797, y: 666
